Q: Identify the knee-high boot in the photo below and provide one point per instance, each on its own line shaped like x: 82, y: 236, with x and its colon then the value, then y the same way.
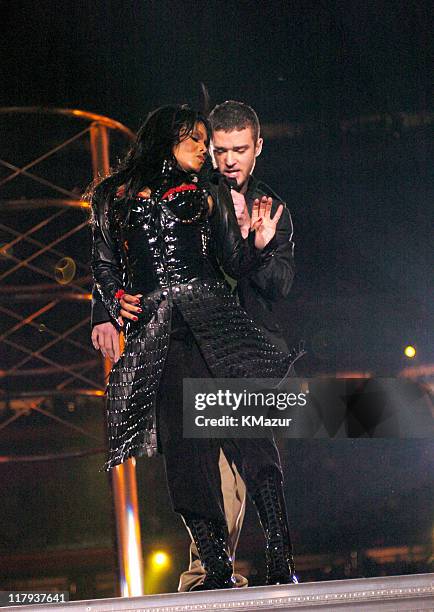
x: 270, y: 505
x: 210, y: 539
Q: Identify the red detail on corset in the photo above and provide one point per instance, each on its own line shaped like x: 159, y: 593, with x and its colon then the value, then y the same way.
x: 169, y: 195
x: 119, y: 293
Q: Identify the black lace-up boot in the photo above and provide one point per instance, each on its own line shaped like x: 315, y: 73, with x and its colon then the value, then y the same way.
x: 210, y: 540
x: 271, y: 508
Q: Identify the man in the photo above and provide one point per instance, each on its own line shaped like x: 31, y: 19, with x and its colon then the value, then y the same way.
x: 235, y: 145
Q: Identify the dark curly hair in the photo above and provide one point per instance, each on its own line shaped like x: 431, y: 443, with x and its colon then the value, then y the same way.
x: 164, y: 128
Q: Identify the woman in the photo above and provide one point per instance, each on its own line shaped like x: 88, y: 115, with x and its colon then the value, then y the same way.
x: 160, y: 240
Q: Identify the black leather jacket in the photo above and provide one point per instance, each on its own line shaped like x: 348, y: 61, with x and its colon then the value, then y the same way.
x: 261, y: 291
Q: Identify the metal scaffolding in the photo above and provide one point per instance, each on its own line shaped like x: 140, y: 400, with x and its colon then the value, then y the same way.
x: 45, y: 349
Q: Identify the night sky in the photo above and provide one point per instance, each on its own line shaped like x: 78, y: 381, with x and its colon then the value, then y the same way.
x: 292, y: 61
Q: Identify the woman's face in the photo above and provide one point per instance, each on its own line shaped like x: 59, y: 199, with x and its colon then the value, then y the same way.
x: 191, y: 152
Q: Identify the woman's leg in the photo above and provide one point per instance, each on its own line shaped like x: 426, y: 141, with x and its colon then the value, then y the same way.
x: 192, y: 465
x: 270, y: 505
x: 192, y: 469
x: 259, y: 464
x: 234, y: 497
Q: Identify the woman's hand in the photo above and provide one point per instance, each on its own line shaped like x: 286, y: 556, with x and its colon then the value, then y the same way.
x: 262, y: 222
x: 130, y: 305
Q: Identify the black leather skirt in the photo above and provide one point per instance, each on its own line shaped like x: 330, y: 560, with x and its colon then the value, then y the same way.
x: 231, y: 345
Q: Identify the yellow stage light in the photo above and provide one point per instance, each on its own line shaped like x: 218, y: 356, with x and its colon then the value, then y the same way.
x: 160, y: 560
x: 410, y: 351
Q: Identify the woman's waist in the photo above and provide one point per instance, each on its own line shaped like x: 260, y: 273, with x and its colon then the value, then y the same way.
x: 157, y: 305
x: 163, y: 278
x: 167, y: 290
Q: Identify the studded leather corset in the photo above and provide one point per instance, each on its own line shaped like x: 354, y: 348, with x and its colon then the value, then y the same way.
x: 167, y: 241
x: 149, y: 244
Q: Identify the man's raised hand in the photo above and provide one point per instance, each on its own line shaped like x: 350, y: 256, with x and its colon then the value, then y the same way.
x: 262, y: 223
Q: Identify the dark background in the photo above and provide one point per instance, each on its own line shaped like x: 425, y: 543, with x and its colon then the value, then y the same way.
x: 360, y: 198
x: 342, y: 90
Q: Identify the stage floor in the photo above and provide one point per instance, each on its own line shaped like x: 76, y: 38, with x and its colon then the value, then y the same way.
x: 393, y: 593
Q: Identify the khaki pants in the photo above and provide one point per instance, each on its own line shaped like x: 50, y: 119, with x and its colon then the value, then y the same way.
x: 234, y: 499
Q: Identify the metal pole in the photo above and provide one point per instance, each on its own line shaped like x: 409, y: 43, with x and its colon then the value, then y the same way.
x: 124, y: 486
x: 99, y: 146
x: 123, y: 477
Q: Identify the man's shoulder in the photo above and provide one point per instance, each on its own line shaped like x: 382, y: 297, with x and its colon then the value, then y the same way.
x: 258, y: 188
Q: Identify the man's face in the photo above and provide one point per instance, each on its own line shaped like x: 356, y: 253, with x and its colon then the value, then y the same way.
x: 234, y: 154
